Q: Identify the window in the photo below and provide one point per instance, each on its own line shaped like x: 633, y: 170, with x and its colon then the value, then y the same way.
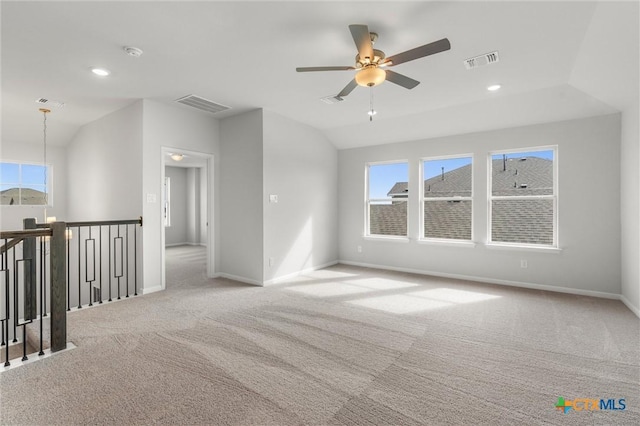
x: 523, y: 199
x: 386, y: 199
x: 446, y: 198
x: 24, y: 184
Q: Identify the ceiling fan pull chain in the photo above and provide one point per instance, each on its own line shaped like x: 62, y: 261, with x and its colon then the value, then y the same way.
x: 371, y: 110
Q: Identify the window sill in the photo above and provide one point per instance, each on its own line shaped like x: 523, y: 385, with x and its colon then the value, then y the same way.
x: 539, y: 249
x: 443, y: 242
x: 387, y: 238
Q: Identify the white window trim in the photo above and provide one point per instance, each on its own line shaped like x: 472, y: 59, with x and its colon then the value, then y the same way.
x: 422, y: 199
x: 507, y: 245
x: 48, y: 187
x: 367, y: 203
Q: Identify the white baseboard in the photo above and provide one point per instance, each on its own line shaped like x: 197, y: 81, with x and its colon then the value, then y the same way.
x: 576, y: 291
x: 151, y: 289
x: 185, y: 244
x: 15, y: 363
x: 298, y: 273
x: 629, y: 305
x: 238, y: 278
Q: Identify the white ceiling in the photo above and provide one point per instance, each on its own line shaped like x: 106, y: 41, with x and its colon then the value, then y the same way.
x: 244, y: 55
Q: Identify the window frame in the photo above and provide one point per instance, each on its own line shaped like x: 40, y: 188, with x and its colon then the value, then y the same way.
x: 367, y: 200
x: 423, y: 199
x: 554, y: 197
x: 167, y: 202
x: 48, y: 185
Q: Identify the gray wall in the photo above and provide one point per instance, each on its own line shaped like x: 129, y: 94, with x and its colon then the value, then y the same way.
x: 241, y: 236
x: 589, y: 209
x: 300, y: 167
x: 177, y: 233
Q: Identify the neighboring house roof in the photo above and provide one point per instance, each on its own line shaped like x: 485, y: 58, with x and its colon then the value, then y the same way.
x: 523, y: 221
x: 399, y: 190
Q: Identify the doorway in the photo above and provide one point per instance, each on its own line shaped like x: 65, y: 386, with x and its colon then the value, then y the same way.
x: 187, y: 208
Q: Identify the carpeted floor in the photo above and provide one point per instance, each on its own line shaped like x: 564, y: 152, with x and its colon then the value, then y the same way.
x: 343, y: 345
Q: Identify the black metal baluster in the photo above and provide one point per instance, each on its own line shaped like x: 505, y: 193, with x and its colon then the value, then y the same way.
x: 79, y: 272
x: 121, y: 260
x: 109, y: 244
x: 126, y: 228
x: 68, y: 232
x: 24, y: 342
x: 135, y: 259
x: 43, y: 259
x: 100, y: 261
x: 5, y: 321
x: 42, y: 287
x: 86, y: 265
x: 15, y: 298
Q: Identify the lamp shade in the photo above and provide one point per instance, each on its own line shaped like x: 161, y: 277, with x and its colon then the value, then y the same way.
x: 370, y: 76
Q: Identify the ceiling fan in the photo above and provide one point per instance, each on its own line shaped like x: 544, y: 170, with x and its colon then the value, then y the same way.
x: 370, y: 61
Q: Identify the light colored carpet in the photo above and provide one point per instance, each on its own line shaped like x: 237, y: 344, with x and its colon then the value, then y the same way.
x: 343, y: 345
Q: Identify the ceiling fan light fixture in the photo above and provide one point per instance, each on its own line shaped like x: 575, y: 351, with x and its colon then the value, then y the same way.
x: 370, y: 76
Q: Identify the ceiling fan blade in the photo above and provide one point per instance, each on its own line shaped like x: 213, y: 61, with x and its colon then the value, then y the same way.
x: 360, y: 34
x: 401, y: 80
x: 307, y: 69
x: 348, y: 88
x: 420, y: 52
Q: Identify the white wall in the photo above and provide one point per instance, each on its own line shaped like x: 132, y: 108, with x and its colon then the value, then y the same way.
x: 300, y: 167
x: 608, y: 70
x: 175, y: 127
x: 202, y: 238
x: 241, y: 234
x: 104, y: 173
x: 630, y: 208
x: 11, y: 216
x: 589, y: 209
x: 177, y: 233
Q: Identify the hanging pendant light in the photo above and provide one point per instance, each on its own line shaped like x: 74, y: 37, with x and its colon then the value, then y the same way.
x: 45, y: 194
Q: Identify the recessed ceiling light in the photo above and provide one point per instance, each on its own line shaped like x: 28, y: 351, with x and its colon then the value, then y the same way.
x: 100, y: 71
x: 493, y: 87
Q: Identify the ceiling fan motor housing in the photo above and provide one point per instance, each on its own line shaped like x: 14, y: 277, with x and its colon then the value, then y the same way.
x: 378, y: 57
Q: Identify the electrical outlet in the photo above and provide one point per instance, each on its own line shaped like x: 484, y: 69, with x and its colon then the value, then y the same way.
x: 359, y: 249
x: 523, y: 263
x: 273, y: 198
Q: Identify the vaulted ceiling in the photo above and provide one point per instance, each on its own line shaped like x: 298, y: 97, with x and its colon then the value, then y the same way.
x: 244, y: 55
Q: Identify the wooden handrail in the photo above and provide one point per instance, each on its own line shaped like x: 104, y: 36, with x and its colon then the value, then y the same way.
x: 97, y: 223
x: 17, y: 236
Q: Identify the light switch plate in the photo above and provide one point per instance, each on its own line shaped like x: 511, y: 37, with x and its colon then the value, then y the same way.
x: 273, y: 198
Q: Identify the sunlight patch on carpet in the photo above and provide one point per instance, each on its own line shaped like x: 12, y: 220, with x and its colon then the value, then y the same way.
x: 422, y: 300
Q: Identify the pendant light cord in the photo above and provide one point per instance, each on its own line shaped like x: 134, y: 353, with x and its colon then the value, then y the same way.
x: 44, y: 148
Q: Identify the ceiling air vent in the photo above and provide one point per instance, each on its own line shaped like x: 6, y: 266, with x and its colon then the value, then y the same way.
x: 202, y: 104
x: 333, y: 99
x: 49, y: 102
x: 482, y: 60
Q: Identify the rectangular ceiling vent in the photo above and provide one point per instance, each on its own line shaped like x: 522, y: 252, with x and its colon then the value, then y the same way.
x: 482, y: 60
x: 202, y: 104
x: 333, y: 99
x: 49, y: 102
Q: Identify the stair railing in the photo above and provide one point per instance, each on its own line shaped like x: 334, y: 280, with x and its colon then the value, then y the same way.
x: 24, y: 284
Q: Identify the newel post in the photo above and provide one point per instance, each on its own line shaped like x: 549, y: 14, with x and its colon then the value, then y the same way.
x: 58, y: 287
x: 30, y: 281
